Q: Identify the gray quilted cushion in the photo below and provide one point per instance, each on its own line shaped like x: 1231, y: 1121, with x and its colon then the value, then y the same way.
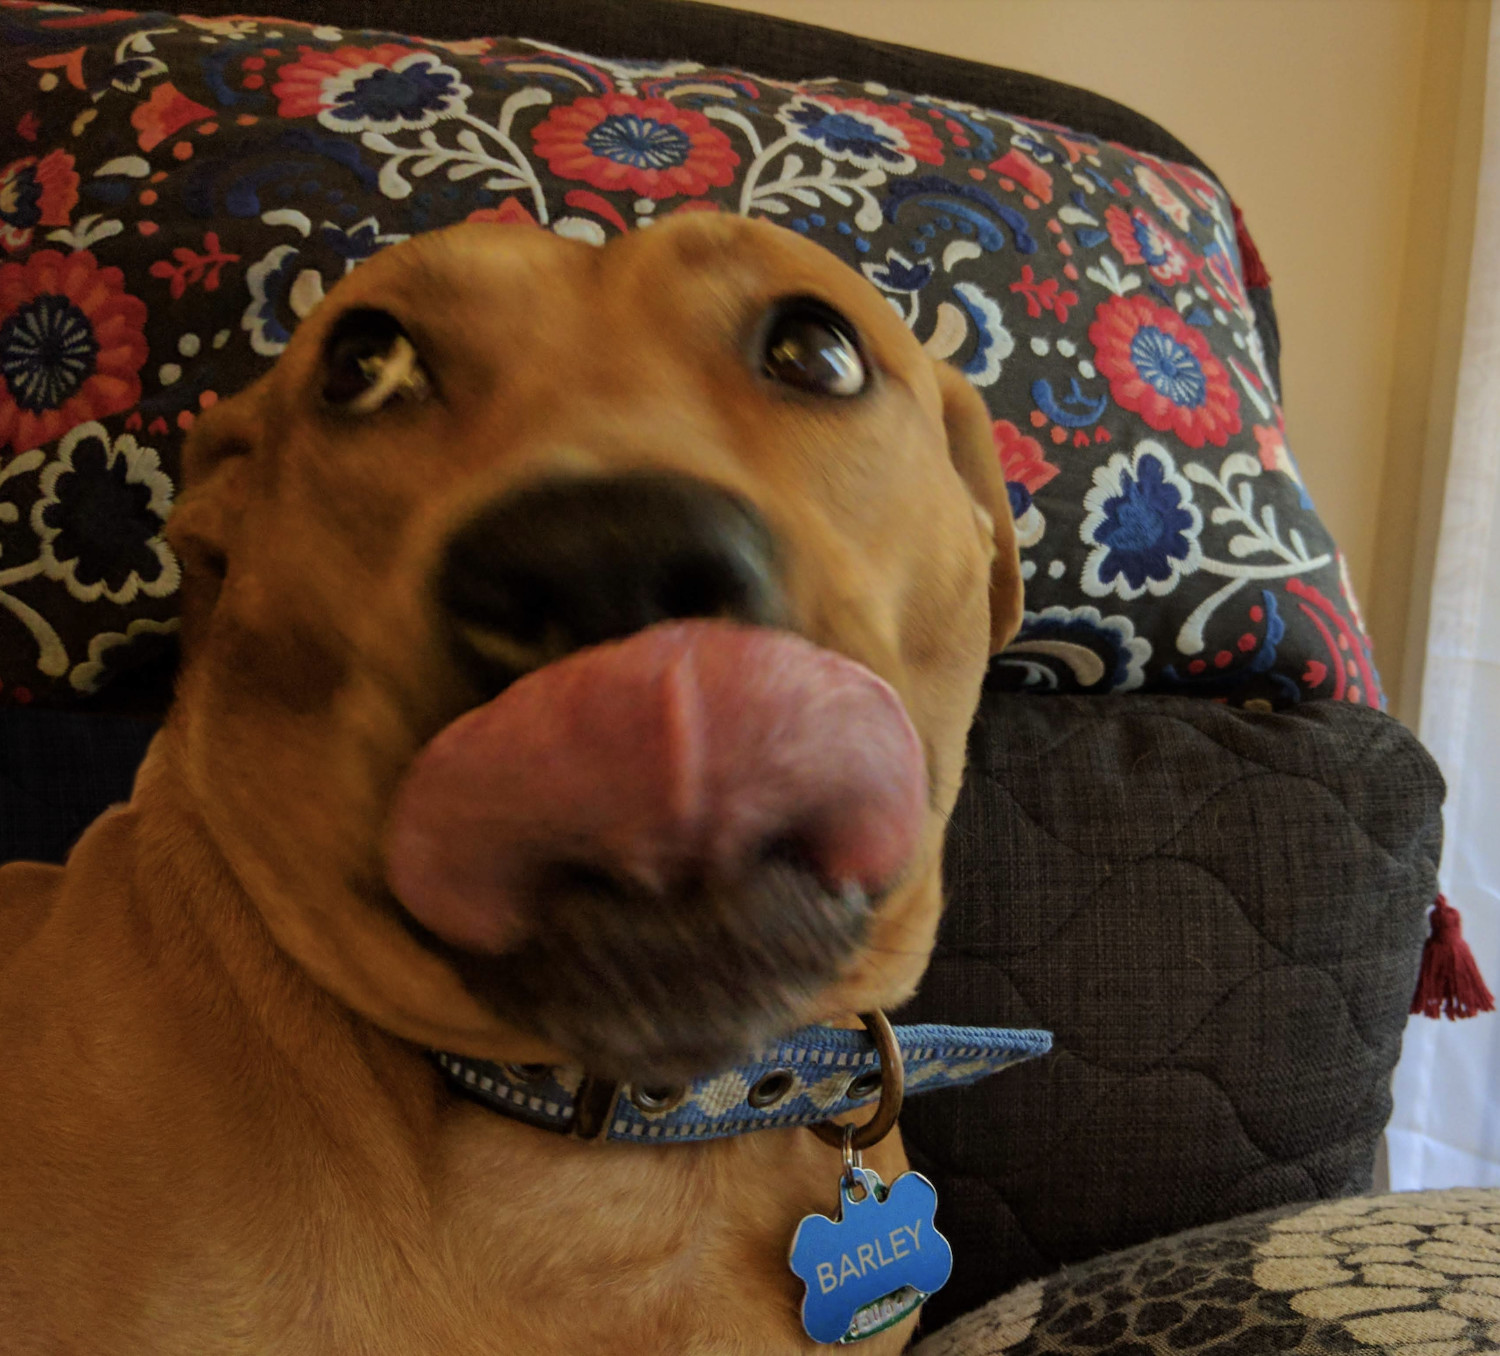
x: 58, y: 772
x: 1417, y: 1274
x: 1220, y: 916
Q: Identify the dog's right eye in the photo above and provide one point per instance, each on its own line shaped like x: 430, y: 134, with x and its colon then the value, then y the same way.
x: 369, y: 361
x: 811, y: 347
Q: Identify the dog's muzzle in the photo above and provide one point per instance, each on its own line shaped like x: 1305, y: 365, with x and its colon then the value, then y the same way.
x: 657, y: 850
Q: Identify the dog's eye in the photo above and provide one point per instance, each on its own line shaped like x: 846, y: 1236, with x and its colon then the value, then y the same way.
x: 369, y: 362
x: 814, y: 349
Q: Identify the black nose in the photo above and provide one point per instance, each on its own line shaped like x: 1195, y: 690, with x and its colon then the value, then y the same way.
x: 565, y: 563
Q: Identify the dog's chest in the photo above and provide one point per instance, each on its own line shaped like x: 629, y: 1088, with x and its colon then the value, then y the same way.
x: 621, y: 1248
x: 500, y: 1240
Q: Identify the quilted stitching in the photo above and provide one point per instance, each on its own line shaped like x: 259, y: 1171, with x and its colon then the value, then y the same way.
x: 57, y: 773
x: 1219, y: 915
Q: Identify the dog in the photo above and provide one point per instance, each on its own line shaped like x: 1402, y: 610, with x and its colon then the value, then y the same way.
x: 490, y: 454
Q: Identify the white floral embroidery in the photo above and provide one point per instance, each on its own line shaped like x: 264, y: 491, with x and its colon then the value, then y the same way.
x: 99, y: 570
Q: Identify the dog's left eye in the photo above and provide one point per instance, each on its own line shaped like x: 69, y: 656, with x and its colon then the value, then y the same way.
x: 369, y: 361
x: 813, y: 348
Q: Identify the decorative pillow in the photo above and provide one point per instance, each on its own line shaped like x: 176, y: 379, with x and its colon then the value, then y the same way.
x: 187, y: 189
x: 1415, y: 1273
x: 1219, y: 915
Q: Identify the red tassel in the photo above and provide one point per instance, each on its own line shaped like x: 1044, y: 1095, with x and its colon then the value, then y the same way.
x: 1254, y: 266
x: 1449, y: 984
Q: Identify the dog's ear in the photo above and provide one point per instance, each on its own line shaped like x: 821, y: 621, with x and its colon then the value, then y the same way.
x: 971, y: 444
x: 215, y: 474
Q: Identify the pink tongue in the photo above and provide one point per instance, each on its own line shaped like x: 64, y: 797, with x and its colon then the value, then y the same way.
x: 680, y: 754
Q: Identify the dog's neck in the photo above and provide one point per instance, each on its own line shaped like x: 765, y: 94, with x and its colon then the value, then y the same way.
x: 215, y: 1060
x: 204, y: 931
x: 207, y: 945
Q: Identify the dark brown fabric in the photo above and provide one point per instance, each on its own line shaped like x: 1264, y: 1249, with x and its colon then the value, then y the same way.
x: 1219, y: 915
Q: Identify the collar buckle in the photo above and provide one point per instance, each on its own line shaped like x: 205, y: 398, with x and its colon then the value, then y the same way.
x: 595, y: 1106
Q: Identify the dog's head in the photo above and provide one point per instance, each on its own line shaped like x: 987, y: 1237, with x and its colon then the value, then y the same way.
x: 497, y: 475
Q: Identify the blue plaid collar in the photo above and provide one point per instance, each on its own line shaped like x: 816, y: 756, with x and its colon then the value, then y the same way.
x: 808, y: 1077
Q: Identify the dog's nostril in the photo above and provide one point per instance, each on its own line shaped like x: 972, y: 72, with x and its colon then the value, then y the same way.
x: 711, y: 585
x: 517, y: 605
x: 585, y: 879
x: 785, y: 850
x: 568, y: 563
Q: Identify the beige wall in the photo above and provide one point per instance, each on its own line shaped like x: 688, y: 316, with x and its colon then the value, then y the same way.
x: 1337, y: 126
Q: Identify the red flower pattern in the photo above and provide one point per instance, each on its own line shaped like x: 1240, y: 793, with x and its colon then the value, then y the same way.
x: 512, y: 212
x: 1046, y: 295
x: 71, y: 346
x: 920, y: 141
x: 166, y: 112
x: 1140, y: 240
x: 1170, y: 205
x: 1021, y: 459
x: 35, y: 193
x: 1017, y: 165
x: 1270, y: 445
x: 300, y: 89
x: 1162, y: 368
x: 191, y: 267
x: 649, y: 146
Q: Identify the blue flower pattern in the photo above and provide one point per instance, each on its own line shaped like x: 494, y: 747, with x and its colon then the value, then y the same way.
x: 410, y: 95
x: 633, y: 140
x: 47, y: 350
x: 1143, y: 524
x: 1076, y: 650
x: 1169, y: 367
x: 844, y: 134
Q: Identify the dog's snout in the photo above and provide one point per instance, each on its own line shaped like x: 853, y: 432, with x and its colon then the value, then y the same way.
x: 702, y: 816
x: 567, y: 563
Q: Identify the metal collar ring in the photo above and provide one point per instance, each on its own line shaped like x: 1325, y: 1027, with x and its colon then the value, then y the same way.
x: 892, y: 1088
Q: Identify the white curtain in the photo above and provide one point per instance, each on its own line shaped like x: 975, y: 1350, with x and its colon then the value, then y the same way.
x: 1446, y: 1126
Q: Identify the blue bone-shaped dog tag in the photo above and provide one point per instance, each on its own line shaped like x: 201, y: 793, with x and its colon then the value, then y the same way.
x: 875, y: 1263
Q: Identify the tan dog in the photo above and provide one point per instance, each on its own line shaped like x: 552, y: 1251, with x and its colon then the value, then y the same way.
x: 219, y: 1129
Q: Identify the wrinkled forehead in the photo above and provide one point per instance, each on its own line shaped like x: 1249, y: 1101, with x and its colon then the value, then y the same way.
x: 687, y: 277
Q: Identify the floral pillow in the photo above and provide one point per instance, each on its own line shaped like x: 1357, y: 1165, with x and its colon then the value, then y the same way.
x: 184, y: 190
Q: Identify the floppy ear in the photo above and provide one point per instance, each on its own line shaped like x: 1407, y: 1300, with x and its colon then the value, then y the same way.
x: 971, y: 444
x: 215, y: 474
